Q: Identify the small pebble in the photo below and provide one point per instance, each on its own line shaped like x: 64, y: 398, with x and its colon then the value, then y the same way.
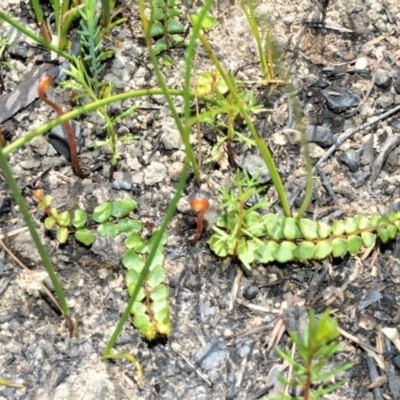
x: 250, y: 292
x: 351, y: 159
x: 382, y: 78
x: 340, y: 99
x: 397, y: 83
x: 359, y: 178
x: 321, y: 135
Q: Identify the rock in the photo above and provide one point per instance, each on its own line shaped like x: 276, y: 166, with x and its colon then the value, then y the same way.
x: 212, y: 355
x: 254, y: 164
x: 250, y: 292
x: 339, y: 99
x: 368, y: 150
x: 366, y: 110
x: 5, y: 206
x: 397, y: 83
x: 351, y: 159
x: 137, y: 178
x: 171, y: 138
x: 30, y: 164
x: 93, y: 378
x: 122, y: 180
x: 382, y: 78
x: 315, y: 151
x: 312, y: 80
x: 361, y: 64
x: 396, y: 361
x: 40, y: 145
x: 359, y: 178
x: 175, y: 170
x: 385, y: 101
x: 155, y: 173
x: 19, y: 50
x: 245, y: 347
x: 279, y: 139
x: 321, y: 135
x: 109, y: 249
x: 58, y: 138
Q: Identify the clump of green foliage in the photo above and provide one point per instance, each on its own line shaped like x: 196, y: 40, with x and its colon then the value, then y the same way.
x: 318, y: 344
x: 267, y: 237
x: 225, y: 115
x: 67, y: 11
x: 165, y: 28
x: 150, y: 310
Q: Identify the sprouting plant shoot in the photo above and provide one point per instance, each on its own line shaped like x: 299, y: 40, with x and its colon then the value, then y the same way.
x: 211, y: 83
x: 315, y: 348
x: 86, y: 74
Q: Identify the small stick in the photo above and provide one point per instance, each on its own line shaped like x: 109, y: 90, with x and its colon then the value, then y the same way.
x: 44, y: 84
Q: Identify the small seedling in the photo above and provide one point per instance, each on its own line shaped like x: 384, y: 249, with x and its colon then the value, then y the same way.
x: 86, y: 75
x: 212, y: 84
x: 150, y: 310
x: 91, y: 42
x: 64, y: 15
x: 238, y: 221
x: 318, y: 344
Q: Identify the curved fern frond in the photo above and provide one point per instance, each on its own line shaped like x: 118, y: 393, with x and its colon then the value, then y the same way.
x: 274, y: 237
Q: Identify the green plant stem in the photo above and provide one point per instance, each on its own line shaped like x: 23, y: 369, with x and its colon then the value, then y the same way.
x: 40, y: 20
x: 169, y: 214
x: 66, y: 27
x: 92, y: 107
x: 265, y: 153
x: 239, y: 223
x: 12, y: 184
x: 190, y: 51
x: 308, y: 375
x: 185, y: 134
x: 106, y: 12
x: 65, y: 6
x: 4, y: 382
x: 35, y: 37
x: 266, y: 69
x: 190, y: 55
x: 57, y: 16
x: 38, y: 11
x: 304, y: 145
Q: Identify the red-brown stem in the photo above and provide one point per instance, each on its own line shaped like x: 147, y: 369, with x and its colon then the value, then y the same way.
x: 44, y: 84
x: 45, y: 32
x: 202, y: 205
x: 2, y: 140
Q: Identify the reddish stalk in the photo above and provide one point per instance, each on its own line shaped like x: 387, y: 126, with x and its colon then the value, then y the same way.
x: 44, y: 84
x: 201, y: 205
x: 3, y: 141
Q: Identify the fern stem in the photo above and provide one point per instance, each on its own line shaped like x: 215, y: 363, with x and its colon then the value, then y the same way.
x: 170, y: 212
